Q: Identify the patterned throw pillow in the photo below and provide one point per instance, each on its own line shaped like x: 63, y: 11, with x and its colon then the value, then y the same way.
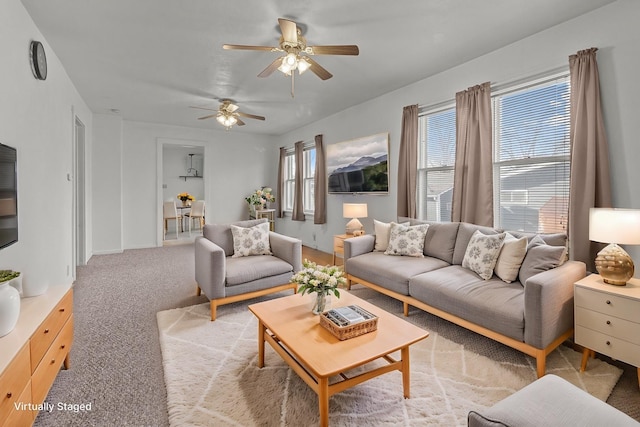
x: 482, y: 253
x: 404, y: 240
x: 382, y: 230
x: 251, y: 241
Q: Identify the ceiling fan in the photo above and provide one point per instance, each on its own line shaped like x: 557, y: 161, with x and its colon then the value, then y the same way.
x: 228, y: 115
x: 296, y: 53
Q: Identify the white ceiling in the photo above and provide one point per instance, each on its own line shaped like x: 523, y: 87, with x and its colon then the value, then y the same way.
x: 152, y: 59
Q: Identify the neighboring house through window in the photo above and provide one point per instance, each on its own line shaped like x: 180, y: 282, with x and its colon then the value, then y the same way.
x: 531, y: 157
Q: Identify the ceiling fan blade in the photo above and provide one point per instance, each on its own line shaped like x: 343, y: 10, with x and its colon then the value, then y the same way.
x: 350, y: 49
x: 207, y: 117
x: 231, y: 107
x: 202, y: 108
x: 249, y: 116
x: 289, y: 31
x: 247, y: 47
x: 317, y: 69
x: 240, y: 122
x: 271, y: 68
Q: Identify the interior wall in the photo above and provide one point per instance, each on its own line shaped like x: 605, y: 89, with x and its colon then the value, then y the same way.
x: 613, y: 29
x: 234, y: 167
x: 175, y: 162
x: 37, y: 118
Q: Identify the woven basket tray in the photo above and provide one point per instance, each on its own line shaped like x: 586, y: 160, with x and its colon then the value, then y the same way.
x: 350, y: 331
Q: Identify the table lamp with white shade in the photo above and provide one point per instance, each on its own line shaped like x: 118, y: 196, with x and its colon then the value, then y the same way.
x: 354, y: 211
x: 614, y: 226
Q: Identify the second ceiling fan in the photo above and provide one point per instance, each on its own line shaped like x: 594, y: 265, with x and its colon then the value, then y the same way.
x: 296, y: 53
x: 228, y: 115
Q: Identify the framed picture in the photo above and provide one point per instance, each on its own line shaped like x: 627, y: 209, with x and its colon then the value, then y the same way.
x: 359, y: 166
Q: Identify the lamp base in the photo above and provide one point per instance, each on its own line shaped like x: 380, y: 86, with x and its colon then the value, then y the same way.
x: 614, y: 265
x: 353, y: 225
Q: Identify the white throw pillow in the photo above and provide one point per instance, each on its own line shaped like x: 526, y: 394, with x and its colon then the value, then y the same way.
x: 510, y: 259
x: 405, y: 240
x: 381, y: 230
x: 482, y: 253
x: 251, y: 241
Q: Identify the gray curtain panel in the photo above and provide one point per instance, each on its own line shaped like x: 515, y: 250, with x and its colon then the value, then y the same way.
x: 320, y: 184
x: 408, y: 162
x: 298, y: 208
x: 590, y: 179
x: 280, y: 184
x: 473, y: 173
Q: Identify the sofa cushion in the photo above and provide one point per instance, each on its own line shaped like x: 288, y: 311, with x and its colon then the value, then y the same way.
x: 465, y: 231
x: 405, y: 240
x: 246, y: 269
x: 540, y: 257
x: 220, y: 234
x: 251, y: 241
x: 440, y: 241
x: 482, y: 253
x: 390, y: 272
x: 492, y: 303
x: 510, y: 258
x: 382, y: 230
x: 553, y: 239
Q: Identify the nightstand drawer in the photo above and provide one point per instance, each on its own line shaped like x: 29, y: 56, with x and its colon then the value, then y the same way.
x: 608, y: 325
x: 605, y: 303
x: 605, y: 344
x: 338, y: 243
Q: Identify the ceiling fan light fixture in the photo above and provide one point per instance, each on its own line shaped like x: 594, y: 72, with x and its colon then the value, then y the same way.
x: 226, y: 120
x: 303, y: 65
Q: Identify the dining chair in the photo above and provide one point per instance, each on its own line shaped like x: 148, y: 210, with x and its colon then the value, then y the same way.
x: 170, y: 211
x: 196, y: 212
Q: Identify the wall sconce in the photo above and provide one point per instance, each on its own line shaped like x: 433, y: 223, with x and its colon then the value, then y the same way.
x: 613, y: 226
x: 354, y: 211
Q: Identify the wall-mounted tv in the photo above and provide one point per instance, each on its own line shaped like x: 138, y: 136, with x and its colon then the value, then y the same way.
x: 359, y: 166
x: 8, y: 196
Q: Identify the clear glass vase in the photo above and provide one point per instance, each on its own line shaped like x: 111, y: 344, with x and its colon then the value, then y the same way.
x: 321, y: 303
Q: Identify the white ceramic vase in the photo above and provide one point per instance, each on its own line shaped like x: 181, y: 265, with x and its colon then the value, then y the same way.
x: 33, y: 287
x: 9, y: 308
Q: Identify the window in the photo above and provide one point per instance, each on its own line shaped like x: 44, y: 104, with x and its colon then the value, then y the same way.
x: 436, y: 158
x: 531, y: 157
x: 309, y: 172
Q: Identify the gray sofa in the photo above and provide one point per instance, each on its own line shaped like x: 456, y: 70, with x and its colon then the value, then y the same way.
x: 533, y: 317
x: 225, y: 279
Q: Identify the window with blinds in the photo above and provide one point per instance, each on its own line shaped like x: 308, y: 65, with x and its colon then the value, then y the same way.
x: 309, y: 169
x: 436, y: 158
x: 532, y: 156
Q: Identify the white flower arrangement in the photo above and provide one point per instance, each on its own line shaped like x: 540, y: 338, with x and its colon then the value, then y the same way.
x: 319, y: 279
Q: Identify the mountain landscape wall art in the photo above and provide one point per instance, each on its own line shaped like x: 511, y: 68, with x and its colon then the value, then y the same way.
x: 359, y: 165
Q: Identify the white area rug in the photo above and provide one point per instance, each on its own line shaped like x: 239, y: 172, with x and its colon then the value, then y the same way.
x: 212, y: 379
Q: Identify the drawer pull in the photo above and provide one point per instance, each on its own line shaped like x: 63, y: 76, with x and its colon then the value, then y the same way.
x: 608, y: 322
x: 608, y: 302
x: 608, y: 342
x: 62, y: 310
x: 53, y: 361
x: 62, y: 346
x: 9, y: 395
x: 46, y: 331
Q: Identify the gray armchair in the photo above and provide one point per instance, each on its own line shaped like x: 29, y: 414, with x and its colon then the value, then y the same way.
x: 225, y: 279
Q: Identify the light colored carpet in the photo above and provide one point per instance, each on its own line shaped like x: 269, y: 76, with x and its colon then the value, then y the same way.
x: 212, y: 378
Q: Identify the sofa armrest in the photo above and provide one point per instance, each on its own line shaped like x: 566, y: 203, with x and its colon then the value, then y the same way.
x: 287, y: 248
x: 210, y: 268
x: 548, y: 303
x: 355, y: 246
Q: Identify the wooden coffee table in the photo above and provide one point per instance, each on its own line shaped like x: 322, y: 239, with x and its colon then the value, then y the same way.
x: 316, y: 355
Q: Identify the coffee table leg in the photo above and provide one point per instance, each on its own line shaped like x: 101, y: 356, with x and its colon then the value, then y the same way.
x: 261, y: 331
x: 323, y: 401
x: 406, y: 380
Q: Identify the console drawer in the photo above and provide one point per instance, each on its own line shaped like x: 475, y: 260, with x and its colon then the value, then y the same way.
x: 609, y: 345
x: 49, y: 329
x: 13, y: 381
x: 46, y: 372
x: 21, y: 416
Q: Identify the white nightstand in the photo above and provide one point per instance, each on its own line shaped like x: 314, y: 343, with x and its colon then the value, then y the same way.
x: 607, y: 319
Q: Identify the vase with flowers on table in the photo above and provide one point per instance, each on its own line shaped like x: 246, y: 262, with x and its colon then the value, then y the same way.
x: 259, y: 200
x: 321, y: 282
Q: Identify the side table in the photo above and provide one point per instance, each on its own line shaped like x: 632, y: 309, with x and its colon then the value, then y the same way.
x: 338, y: 245
x: 607, y: 320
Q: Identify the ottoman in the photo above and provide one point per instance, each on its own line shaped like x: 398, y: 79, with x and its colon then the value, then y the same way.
x: 550, y: 401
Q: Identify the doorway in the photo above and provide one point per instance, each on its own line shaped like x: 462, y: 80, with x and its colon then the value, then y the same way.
x: 79, y: 202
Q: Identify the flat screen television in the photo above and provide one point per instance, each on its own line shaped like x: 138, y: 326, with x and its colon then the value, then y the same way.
x: 8, y: 196
x: 359, y: 166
